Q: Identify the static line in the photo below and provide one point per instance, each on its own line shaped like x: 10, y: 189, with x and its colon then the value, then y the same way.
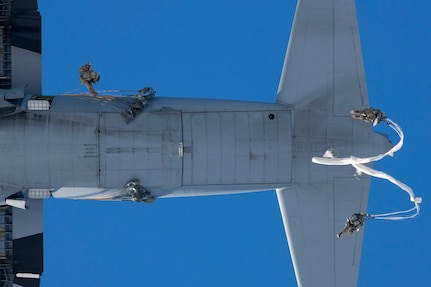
x: 406, y: 188
x: 362, y: 160
x: 358, y: 164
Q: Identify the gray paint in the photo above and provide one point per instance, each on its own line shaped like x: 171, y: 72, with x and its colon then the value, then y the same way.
x: 167, y: 147
x: 323, y: 78
x: 27, y: 70
x: 82, y: 147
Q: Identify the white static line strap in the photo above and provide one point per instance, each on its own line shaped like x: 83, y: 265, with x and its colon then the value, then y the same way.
x: 353, y: 159
x: 358, y: 164
x: 406, y: 188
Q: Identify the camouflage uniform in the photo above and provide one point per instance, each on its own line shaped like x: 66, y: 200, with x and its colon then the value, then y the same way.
x: 354, y: 223
x: 369, y: 115
x: 87, y: 76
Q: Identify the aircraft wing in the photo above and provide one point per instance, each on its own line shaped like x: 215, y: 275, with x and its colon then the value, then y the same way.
x: 323, y: 79
x: 27, y: 244
x: 21, y: 231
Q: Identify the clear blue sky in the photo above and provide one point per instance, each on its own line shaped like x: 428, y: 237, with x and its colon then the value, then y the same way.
x: 231, y: 50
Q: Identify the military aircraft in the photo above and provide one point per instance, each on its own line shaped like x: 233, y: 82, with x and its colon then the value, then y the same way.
x: 140, y: 148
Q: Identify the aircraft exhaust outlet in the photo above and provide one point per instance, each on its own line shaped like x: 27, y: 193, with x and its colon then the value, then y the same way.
x: 374, y: 116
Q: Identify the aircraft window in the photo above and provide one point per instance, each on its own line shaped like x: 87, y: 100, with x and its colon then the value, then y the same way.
x: 38, y: 105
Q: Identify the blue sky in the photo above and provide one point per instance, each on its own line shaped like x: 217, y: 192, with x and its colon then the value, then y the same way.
x: 231, y: 50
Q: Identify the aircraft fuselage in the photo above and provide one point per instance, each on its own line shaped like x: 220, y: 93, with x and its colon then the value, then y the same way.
x: 82, y: 147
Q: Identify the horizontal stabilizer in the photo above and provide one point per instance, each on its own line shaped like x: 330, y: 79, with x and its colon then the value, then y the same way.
x: 312, y: 215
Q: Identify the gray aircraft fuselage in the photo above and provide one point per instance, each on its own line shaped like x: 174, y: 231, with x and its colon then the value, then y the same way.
x: 83, y: 148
